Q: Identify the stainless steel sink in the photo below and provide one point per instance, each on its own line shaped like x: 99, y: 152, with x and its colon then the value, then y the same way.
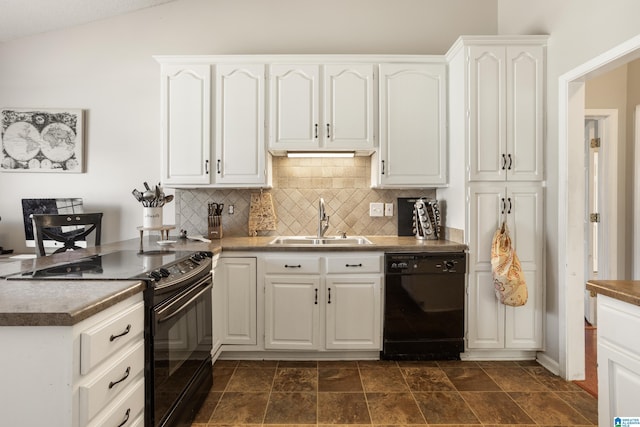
x: 322, y: 241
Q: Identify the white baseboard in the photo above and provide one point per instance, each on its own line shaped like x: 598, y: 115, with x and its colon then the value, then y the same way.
x: 551, y: 365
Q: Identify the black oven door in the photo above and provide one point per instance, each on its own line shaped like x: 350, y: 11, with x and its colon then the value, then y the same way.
x: 180, y: 356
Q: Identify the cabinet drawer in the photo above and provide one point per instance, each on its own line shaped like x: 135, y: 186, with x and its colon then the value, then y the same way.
x: 97, y: 394
x: 104, y: 339
x: 355, y: 264
x: 619, y: 323
x: 126, y: 410
x: 292, y: 265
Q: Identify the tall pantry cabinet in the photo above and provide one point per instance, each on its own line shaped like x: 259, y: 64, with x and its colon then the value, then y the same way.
x: 497, y: 126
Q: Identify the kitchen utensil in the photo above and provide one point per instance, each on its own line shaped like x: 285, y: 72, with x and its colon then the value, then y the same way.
x: 200, y: 238
x: 137, y: 195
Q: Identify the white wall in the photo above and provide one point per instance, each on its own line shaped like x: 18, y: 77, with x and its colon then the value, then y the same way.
x: 579, y: 30
x: 106, y: 68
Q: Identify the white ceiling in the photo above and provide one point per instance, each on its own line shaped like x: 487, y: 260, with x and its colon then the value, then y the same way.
x: 22, y: 18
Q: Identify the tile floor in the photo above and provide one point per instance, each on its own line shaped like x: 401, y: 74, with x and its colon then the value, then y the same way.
x: 393, y: 393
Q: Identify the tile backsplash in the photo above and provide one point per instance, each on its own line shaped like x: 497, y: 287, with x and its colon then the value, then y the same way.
x: 298, y: 184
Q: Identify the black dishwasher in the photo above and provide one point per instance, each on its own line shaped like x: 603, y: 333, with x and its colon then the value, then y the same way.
x: 424, y: 306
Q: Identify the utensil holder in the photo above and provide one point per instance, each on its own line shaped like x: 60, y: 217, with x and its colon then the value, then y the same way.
x: 151, y: 217
x: 214, y: 227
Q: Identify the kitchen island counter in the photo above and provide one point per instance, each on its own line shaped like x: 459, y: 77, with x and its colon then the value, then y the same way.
x: 623, y: 290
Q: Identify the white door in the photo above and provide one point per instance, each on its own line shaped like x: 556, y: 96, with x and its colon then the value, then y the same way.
x: 239, y: 130
x: 592, y: 248
x: 348, y: 105
x: 186, y: 123
x: 292, y: 312
x: 294, y: 107
x: 413, y: 105
x: 353, y: 310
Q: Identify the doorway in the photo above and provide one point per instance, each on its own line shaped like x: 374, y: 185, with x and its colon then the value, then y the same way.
x: 572, y: 203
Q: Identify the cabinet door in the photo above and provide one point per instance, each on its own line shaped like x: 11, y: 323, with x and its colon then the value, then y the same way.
x: 292, y: 312
x: 485, y: 314
x: 348, y: 102
x: 523, y: 326
x: 412, y: 99
x: 353, y: 308
x: 237, y: 277
x: 239, y: 130
x: 487, y: 127
x: 525, y: 127
x: 294, y: 100
x: 186, y: 123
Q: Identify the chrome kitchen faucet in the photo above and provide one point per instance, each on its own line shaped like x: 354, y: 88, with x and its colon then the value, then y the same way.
x: 322, y: 218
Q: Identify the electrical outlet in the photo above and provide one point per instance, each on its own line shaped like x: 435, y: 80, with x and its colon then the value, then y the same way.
x: 376, y: 209
x: 231, y: 209
x: 388, y: 209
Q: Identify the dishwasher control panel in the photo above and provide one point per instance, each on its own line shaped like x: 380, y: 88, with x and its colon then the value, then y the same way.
x: 425, y: 263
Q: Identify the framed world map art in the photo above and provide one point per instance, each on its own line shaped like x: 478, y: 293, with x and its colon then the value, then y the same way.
x: 41, y: 140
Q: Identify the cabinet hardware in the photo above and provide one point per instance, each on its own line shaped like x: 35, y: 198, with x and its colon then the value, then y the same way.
x: 504, y: 207
x: 218, y: 166
x: 510, y: 161
x: 328, y: 133
x: 353, y: 265
x: 316, y: 133
x: 126, y: 418
x: 206, y: 167
x: 383, y: 167
x: 510, y: 205
x: 504, y: 162
x: 126, y: 331
x: 292, y: 266
x: 329, y: 298
x: 316, y: 298
x: 126, y: 375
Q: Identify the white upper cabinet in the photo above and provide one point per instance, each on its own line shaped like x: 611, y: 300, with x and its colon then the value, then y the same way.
x: 321, y: 107
x: 186, y: 123
x: 413, y: 137
x: 348, y: 106
x: 239, y: 124
x: 505, y: 112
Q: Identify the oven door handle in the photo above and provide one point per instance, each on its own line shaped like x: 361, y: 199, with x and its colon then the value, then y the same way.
x: 170, y: 311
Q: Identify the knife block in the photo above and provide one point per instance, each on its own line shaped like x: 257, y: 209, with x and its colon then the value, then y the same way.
x: 214, y: 227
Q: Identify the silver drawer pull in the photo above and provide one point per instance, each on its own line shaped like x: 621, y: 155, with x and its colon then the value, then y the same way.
x: 126, y: 331
x: 353, y: 265
x: 126, y: 375
x: 126, y: 418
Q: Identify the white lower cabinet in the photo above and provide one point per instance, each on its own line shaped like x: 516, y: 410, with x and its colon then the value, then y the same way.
x: 237, y: 278
x: 328, y: 302
x: 618, y: 359
x: 88, y: 374
x: 490, y: 324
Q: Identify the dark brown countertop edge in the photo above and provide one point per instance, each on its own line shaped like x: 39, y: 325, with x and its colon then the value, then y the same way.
x: 623, y: 290
x: 70, y: 318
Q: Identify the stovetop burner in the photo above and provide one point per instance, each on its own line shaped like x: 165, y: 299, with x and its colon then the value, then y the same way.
x: 121, y: 265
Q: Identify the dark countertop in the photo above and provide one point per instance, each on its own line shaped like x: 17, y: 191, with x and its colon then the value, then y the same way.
x: 623, y: 290
x: 60, y: 303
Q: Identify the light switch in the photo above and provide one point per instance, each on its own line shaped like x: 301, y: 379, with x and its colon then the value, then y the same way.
x: 388, y: 209
x: 376, y: 209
